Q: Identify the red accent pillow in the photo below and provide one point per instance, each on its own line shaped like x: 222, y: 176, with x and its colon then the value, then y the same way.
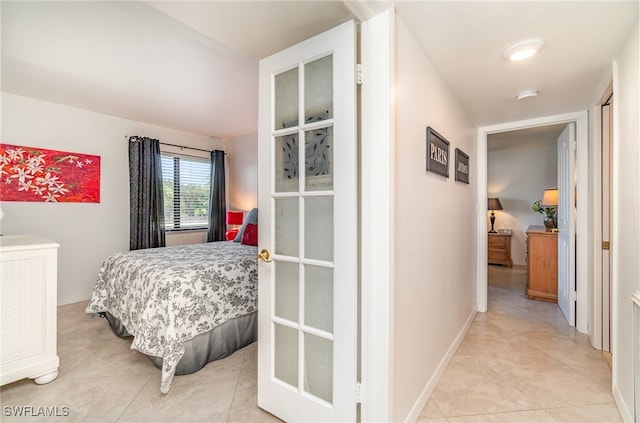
x: 250, y: 236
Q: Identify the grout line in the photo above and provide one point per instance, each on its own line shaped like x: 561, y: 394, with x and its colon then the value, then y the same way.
x: 124, y: 410
x: 235, y: 388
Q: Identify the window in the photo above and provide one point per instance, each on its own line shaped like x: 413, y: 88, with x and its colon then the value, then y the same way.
x: 185, y: 184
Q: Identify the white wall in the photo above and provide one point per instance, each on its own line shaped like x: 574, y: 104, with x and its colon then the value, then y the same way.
x: 625, y: 246
x: 435, y: 238
x: 243, y: 172
x: 87, y: 233
x: 518, y: 177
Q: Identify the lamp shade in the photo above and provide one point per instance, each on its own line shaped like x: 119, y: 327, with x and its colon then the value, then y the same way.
x: 234, y: 217
x: 494, y: 204
x: 549, y: 198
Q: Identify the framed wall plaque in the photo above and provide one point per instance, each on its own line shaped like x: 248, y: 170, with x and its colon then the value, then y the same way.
x: 437, y: 153
x: 462, y: 166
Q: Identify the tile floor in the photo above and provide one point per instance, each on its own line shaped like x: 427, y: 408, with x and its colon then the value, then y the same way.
x: 520, y: 362
x: 102, y: 380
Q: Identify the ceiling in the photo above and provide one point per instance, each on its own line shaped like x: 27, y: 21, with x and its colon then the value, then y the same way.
x: 193, y: 65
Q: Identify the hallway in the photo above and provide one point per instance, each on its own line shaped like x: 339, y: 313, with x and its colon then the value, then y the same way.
x: 521, y: 362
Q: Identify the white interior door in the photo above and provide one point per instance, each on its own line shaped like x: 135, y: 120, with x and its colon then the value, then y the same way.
x: 307, y: 295
x: 567, y: 223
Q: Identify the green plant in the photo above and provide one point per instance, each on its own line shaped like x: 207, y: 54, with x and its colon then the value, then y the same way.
x: 548, y: 211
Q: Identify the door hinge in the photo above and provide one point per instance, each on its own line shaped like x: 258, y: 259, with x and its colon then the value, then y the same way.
x: 574, y: 145
x: 605, y: 245
x: 574, y: 296
x: 359, y: 73
x: 358, y: 393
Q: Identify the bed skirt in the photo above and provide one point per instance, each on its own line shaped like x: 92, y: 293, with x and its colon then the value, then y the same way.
x: 220, y: 342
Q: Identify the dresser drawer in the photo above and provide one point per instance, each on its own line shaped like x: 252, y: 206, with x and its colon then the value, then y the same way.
x: 499, y: 249
x: 498, y: 242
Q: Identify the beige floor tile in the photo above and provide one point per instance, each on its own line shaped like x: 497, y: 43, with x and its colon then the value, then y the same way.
x: 114, y: 357
x: 96, y: 399
x: 484, y: 337
x: 462, y: 369
x: 245, y: 400
x: 601, y: 413
x: 533, y: 416
x: 192, y: 398
x: 22, y: 392
x: 487, y: 397
x: 547, y: 381
x: 245, y: 409
x: 430, y: 412
x: 587, y: 361
x: 469, y: 387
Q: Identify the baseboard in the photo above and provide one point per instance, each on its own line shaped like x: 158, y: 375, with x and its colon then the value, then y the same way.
x: 422, y: 400
x: 625, y: 412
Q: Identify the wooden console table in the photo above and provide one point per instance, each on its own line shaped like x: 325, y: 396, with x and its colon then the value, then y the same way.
x: 542, y: 264
x: 499, y: 251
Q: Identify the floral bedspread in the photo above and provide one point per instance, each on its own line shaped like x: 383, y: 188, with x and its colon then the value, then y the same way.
x: 167, y: 296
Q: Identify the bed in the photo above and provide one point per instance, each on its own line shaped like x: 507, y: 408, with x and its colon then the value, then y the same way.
x: 184, y: 306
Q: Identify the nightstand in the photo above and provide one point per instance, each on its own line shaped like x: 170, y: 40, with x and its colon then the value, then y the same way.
x: 499, y: 249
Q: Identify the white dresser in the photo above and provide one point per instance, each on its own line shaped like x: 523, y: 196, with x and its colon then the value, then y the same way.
x: 28, y: 301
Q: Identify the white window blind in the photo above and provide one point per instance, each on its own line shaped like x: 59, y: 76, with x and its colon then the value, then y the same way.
x: 186, y: 187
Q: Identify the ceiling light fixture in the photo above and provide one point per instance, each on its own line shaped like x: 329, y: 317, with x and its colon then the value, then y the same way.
x: 527, y: 95
x: 523, y: 49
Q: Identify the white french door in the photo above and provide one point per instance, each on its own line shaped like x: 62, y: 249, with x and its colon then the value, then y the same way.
x: 567, y: 223
x: 307, y: 183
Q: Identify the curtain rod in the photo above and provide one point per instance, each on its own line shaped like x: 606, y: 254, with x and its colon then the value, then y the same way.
x: 182, y: 146
x: 179, y: 146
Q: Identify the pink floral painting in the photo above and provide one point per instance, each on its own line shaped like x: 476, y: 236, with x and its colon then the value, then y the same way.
x: 36, y: 174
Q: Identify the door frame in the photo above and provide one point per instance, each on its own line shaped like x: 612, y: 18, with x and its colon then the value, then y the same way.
x: 376, y: 152
x: 581, y: 120
x: 596, y: 331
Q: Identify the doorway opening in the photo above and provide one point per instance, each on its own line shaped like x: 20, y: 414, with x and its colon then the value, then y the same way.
x: 522, y: 165
x: 580, y: 119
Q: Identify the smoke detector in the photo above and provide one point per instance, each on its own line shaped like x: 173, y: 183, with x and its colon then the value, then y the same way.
x: 527, y: 95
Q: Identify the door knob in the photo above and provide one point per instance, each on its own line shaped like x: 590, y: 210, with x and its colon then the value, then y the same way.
x: 264, y: 255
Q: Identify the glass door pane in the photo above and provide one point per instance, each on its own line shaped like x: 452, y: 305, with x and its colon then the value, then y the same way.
x: 318, y: 160
x: 318, y: 298
x: 286, y: 226
x: 318, y: 228
x: 286, y: 99
x: 318, y: 89
x: 286, y: 165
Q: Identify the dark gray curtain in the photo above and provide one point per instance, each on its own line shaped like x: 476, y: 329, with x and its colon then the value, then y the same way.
x: 217, y: 202
x: 145, y: 192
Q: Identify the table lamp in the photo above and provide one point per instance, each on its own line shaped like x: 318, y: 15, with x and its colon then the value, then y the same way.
x: 234, y: 219
x: 493, y: 204
x: 550, y: 200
